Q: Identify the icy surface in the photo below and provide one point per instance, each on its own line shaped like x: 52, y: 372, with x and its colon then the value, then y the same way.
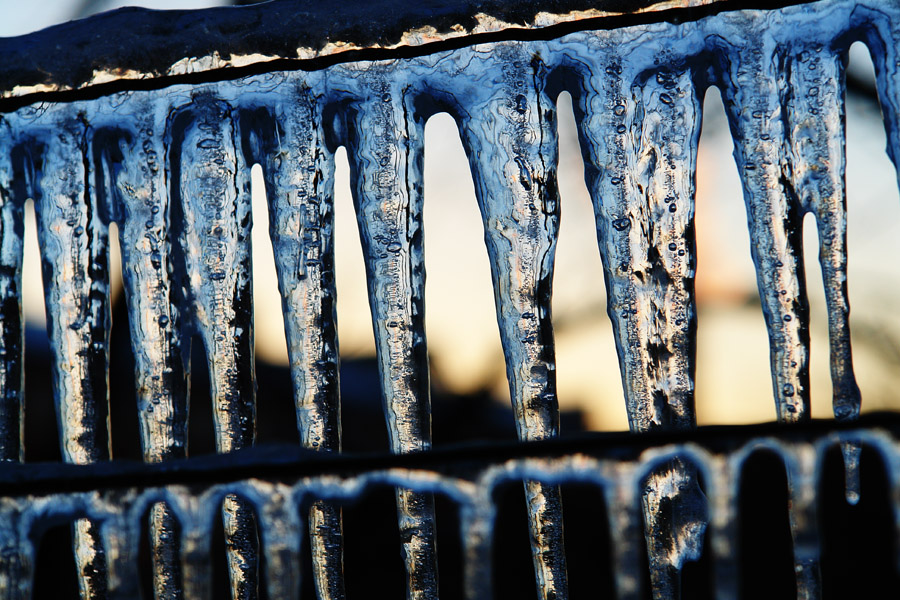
x: 171, y: 168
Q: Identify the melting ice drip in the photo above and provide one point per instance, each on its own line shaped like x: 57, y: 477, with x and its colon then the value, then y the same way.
x: 171, y: 168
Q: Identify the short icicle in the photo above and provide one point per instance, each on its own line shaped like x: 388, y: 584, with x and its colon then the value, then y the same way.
x: 280, y: 526
x: 753, y: 80
x: 299, y: 175
x: 74, y: 246
x: 623, y: 508
x: 476, y: 531
x: 724, y: 490
x: 120, y: 540
x: 816, y: 133
x: 510, y: 136
x: 803, y: 483
x: 215, y: 247
x: 14, y: 184
x: 386, y: 164
x: 639, y: 129
x: 196, y: 548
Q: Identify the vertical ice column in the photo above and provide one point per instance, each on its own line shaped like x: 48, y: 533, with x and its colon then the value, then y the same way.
x: 16, y: 179
x: 74, y: 254
x: 753, y: 78
x: 300, y: 186
x: 386, y: 162
x: 815, y: 138
x: 510, y: 135
x: 639, y: 136
x: 214, y: 242
x: 131, y: 170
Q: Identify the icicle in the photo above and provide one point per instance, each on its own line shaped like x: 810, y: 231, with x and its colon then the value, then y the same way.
x: 13, y: 192
x: 215, y: 247
x: 164, y: 551
x: 639, y: 138
x: 640, y: 143
x: 622, y: 508
x: 196, y: 564
x: 723, y: 523
x: 510, y: 136
x: 803, y: 481
x: 300, y: 182
x: 753, y: 82
x: 120, y: 539
x: 74, y: 246
x: 133, y: 161
x: 476, y: 529
x: 815, y: 138
x: 281, y: 537
x: 386, y: 165
x: 131, y: 172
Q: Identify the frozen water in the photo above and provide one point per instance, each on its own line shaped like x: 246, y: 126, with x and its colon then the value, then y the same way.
x: 172, y: 168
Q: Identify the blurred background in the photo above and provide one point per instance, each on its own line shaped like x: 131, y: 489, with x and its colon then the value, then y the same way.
x: 733, y: 382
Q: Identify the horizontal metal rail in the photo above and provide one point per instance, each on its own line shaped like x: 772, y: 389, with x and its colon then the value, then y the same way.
x: 137, y: 48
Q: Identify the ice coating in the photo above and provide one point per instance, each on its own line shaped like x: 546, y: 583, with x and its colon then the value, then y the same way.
x: 171, y: 168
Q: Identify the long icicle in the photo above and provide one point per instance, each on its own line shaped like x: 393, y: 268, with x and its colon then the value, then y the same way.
x: 132, y: 167
x: 753, y: 79
x: 299, y: 177
x: 74, y: 245
x: 511, y: 140
x: 639, y: 132
x: 815, y: 137
x: 215, y: 247
x: 386, y: 164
